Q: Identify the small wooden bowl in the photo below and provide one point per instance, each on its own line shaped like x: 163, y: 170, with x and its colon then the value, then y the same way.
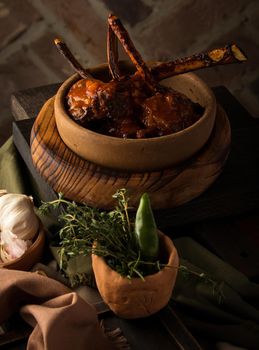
x: 32, y: 255
x: 139, y: 154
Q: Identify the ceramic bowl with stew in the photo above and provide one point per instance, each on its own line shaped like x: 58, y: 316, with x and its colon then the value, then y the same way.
x: 138, y: 155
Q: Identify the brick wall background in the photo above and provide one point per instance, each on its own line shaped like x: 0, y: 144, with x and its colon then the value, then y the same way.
x: 161, y: 29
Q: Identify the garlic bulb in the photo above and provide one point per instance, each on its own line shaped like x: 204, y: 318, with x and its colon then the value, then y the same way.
x: 12, y: 247
x: 17, y: 215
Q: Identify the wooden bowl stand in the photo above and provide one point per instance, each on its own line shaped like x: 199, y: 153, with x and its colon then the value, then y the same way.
x: 85, y: 182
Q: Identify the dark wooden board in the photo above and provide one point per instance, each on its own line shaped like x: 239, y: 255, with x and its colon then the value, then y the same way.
x: 16, y: 331
x: 26, y: 104
x: 163, y: 330
x: 21, y: 135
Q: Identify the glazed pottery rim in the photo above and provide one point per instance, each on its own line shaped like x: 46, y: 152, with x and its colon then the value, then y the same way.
x: 208, y: 110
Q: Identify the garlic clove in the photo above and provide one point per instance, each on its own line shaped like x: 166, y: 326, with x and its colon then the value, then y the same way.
x: 17, y: 215
x: 12, y: 247
x: 4, y: 256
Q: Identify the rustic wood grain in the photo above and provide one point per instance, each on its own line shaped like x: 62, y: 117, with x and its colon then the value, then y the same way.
x: 86, y: 182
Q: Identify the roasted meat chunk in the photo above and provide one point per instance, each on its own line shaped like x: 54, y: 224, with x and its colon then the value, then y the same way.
x: 169, y: 112
x: 94, y: 99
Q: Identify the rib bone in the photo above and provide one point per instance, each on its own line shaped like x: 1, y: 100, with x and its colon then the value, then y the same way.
x: 224, y: 55
x: 64, y: 50
x: 112, y: 53
x: 130, y: 49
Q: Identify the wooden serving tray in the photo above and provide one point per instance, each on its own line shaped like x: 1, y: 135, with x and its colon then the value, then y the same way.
x: 86, y: 182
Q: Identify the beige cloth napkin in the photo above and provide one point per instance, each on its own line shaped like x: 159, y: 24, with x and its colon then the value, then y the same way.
x: 60, y: 318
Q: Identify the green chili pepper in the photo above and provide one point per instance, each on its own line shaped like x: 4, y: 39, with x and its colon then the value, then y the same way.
x: 146, y: 230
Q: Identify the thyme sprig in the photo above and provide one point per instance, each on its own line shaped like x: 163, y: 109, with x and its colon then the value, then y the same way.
x: 215, y: 285
x: 85, y: 230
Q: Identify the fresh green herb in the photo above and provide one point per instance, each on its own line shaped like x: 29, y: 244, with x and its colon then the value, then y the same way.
x: 87, y: 230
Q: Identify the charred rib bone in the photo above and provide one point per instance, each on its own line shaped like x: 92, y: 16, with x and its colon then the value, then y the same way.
x: 220, y: 56
x: 64, y: 50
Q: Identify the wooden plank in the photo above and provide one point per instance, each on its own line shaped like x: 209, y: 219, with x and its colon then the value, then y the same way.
x: 150, y: 333
x: 15, y: 333
x: 177, y: 330
x: 21, y: 137
x: 27, y: 103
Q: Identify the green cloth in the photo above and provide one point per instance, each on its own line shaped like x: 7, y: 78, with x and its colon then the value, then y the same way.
x: 11, y: 173
x: 223, y: 304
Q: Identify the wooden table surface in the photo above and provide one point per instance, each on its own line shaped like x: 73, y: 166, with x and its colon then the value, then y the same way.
x: 224, y: 219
